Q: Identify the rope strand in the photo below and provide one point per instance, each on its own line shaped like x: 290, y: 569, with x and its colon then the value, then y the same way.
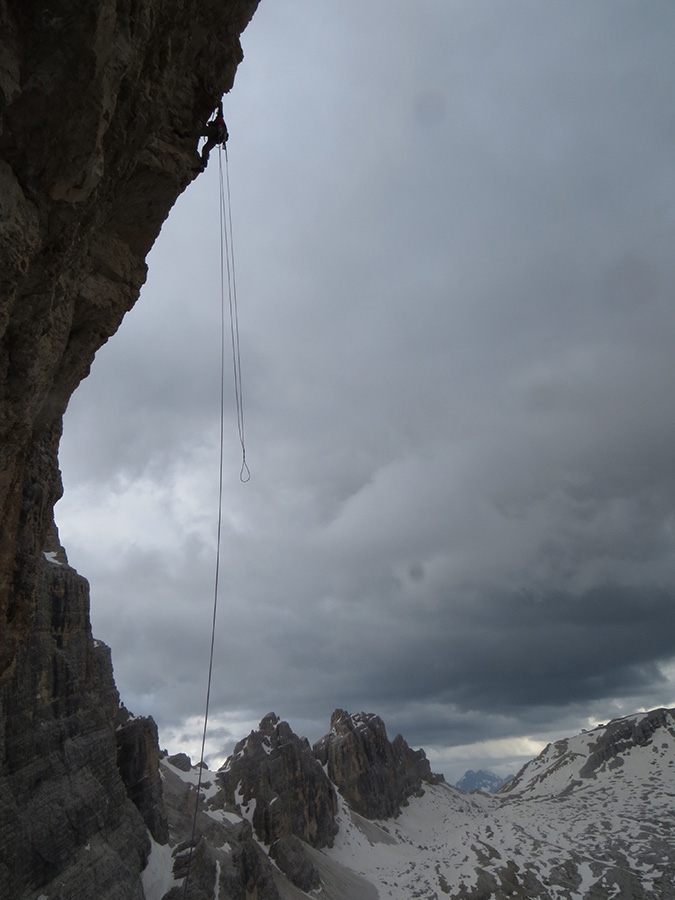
x: 226, y: 219
x: 226, y: 269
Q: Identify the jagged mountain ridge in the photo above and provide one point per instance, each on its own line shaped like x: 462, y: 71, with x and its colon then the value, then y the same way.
x: 274, y: 792
x: 591, y: 817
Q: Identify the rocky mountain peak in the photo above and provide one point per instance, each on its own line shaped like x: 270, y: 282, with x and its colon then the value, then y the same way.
x: 375, y: 776
x: 482, y: 780
x: 274, y: 775
x: 275, y: 731
x: 341, y: 721
x: 564, y: 766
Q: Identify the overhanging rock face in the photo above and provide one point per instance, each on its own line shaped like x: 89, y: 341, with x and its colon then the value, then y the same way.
x: 101, y: 102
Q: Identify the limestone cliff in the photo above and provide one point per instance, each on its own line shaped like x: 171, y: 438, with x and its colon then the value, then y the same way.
x: 100, y: 105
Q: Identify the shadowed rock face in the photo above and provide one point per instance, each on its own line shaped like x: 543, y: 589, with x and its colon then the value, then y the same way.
x: 374, y: 776
x: 61, y: 791
x: 100, y: 105
x: 275, y: 771
x: 138, y: 763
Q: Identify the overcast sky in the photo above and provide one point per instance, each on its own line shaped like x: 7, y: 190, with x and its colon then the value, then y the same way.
x: 454, y: 224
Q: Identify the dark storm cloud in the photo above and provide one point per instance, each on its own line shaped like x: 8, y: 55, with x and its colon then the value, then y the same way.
x: 454, y: 228
x: 548, y: 651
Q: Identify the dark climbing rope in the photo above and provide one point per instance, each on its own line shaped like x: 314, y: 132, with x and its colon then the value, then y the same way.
x: 226, y: 268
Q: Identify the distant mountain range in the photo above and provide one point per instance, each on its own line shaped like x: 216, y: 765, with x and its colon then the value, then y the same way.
x: 357, y: 817
x: 482, y: 780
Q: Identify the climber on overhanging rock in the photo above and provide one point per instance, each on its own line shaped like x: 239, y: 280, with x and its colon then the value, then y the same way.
x: 215, y: 132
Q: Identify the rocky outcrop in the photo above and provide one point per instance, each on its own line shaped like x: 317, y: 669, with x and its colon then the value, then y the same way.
x: 222, y: 865
x: 274, y: 773
x: 100, y: 105
x: 138, y: 765
x: 290, y: 856
x: 375, y: 776
x: 621, y: 735
x: 64, y: 810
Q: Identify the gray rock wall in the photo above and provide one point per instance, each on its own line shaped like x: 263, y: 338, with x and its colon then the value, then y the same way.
x: 64, y: 811
x: 101, y: 102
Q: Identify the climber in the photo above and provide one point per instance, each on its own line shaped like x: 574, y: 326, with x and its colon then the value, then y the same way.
x: 215, y: 132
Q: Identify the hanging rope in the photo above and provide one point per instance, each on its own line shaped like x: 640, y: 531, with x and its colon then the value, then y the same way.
x: 227, y: 264
x: 226, y: 268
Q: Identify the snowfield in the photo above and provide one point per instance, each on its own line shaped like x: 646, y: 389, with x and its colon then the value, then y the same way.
x: 552, y: 832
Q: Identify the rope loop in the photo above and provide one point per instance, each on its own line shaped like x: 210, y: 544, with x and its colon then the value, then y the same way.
x: 244, y: 472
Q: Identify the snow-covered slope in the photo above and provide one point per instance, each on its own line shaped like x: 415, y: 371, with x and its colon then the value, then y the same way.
x: 592, y: 817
